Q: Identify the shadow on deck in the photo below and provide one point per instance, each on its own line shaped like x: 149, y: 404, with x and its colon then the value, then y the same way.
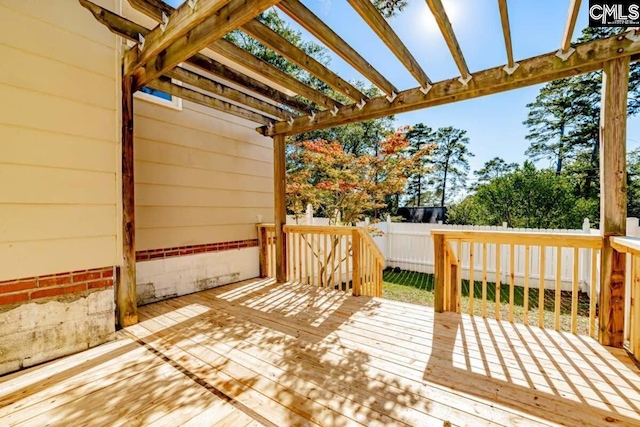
x: 260, y: 353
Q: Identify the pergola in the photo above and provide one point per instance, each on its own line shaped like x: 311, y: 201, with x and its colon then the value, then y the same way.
x: 155, y: 58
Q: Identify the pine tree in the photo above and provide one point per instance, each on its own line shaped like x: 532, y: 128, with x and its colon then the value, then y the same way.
x: 419, y: 137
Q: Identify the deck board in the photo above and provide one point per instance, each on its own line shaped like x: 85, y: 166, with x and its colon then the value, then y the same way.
x: 264, y: 354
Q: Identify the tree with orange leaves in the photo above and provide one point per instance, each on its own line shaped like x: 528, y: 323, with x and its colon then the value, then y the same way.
x: 323, y: 174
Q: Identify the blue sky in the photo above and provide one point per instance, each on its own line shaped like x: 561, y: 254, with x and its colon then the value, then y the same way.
x: 493, y: 123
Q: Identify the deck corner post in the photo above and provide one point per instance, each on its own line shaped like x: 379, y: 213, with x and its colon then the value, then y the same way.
x: 613, y: 199
x: 280, y: 205
x: 262, y: 248
x: 439, y: 272
x: 126, y: 298
x: 355, y: 249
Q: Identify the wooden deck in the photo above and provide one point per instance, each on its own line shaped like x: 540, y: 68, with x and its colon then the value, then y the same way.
x: 259, y: 353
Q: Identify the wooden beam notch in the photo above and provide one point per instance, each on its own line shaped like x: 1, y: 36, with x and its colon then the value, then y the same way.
x: 565, y: 47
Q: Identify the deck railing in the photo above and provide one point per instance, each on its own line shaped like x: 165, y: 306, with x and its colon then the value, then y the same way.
x: 460, y: 255
x: 631, y: 247
x: 336, y: 257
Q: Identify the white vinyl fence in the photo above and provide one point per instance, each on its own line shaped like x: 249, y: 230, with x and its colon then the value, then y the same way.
x: 409, y: 246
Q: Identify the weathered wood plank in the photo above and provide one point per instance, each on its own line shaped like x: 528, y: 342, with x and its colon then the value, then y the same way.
x: 309, y: 21
x: 130, y: 30
x: 284, y: 47
x: 613, y: 198
x: 540, y: 69
x: 280, y: 205
x: 229, y: 17
x: 437, y: 8
x: 126, y: 297
x: 208, y: 101
x: 379, y: 25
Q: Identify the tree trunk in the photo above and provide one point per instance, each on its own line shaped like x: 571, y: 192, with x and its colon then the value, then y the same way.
x: 444, y: 183
x: 560, y: 150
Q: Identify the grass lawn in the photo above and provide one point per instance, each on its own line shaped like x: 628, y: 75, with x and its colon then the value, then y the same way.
x: 417, y: 288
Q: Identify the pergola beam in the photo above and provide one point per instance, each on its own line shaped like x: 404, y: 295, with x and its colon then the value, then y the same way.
x: 180, y: 22
x: 572, y: 17
x: 379, y: 25
x: 284, y: 47
x: 207, y: 101
x: 541, y: 69
x: 130, y: 30
x: 155, y: 8
x: 180, y: 45
x: 449, y: 35
x: 303, y: 16
x: 506, y: 31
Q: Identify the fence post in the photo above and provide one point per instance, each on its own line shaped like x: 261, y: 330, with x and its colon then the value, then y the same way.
x: 355, y: 249
x: 309, y: 214
x: 439, y: 266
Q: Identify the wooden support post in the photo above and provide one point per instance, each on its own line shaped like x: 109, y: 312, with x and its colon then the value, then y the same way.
x: 355, y: 249
x: 262, y: 245
x: 126, y: 301
x: 280, y: 193
x: 439, y: 272
x: 613, y: 198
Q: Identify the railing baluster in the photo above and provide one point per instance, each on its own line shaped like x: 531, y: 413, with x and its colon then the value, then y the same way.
x: 593, y: 294
x: 498, y: 284
x: 543, y: 255
x: 512, y: 278
x: 574, y: 291
x: 634, y: 320
x: 527, y: 271
x: 472, y: 283
x: 484, y: 280
x: 349, y: 254
x: 299, y: 257
x: 558, y: 294
x: 355, y: 247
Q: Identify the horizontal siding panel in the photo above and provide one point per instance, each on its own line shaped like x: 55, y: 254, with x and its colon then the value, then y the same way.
x: 46, y: 112
x: 23, y: 69
x: 202, y: 141
x: 55, y: 186
x: 154, y: 195
x: 39, y: 148
x: 160, y: 217
x: 67, y: 15
x: 153, y: 173
x: 27, y: 259
x: 206, y: 120
x: 43, y: 39
x: 156, y: 238
x: 181, y: 156
x: 47, y: 222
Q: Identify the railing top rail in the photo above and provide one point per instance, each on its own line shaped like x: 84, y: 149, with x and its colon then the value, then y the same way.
x: 321, y: 229
x: 626, y: 244
x: 372, y: 244
x: 569, y: 240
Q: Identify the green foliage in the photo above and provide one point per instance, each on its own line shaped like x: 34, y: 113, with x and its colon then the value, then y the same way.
x: 494, y: 168
x: 419, y: 136
x: 525, y: 198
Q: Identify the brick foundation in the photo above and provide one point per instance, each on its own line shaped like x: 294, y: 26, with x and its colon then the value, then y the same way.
x: 194, y: 249
x: 33, y: 288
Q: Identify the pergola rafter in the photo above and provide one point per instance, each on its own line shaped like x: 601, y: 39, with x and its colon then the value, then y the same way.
x: 197, y: 24
x: 506, y: 32
x: 572, y: 17
x: 310, y: 22
x: 379, y: 25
